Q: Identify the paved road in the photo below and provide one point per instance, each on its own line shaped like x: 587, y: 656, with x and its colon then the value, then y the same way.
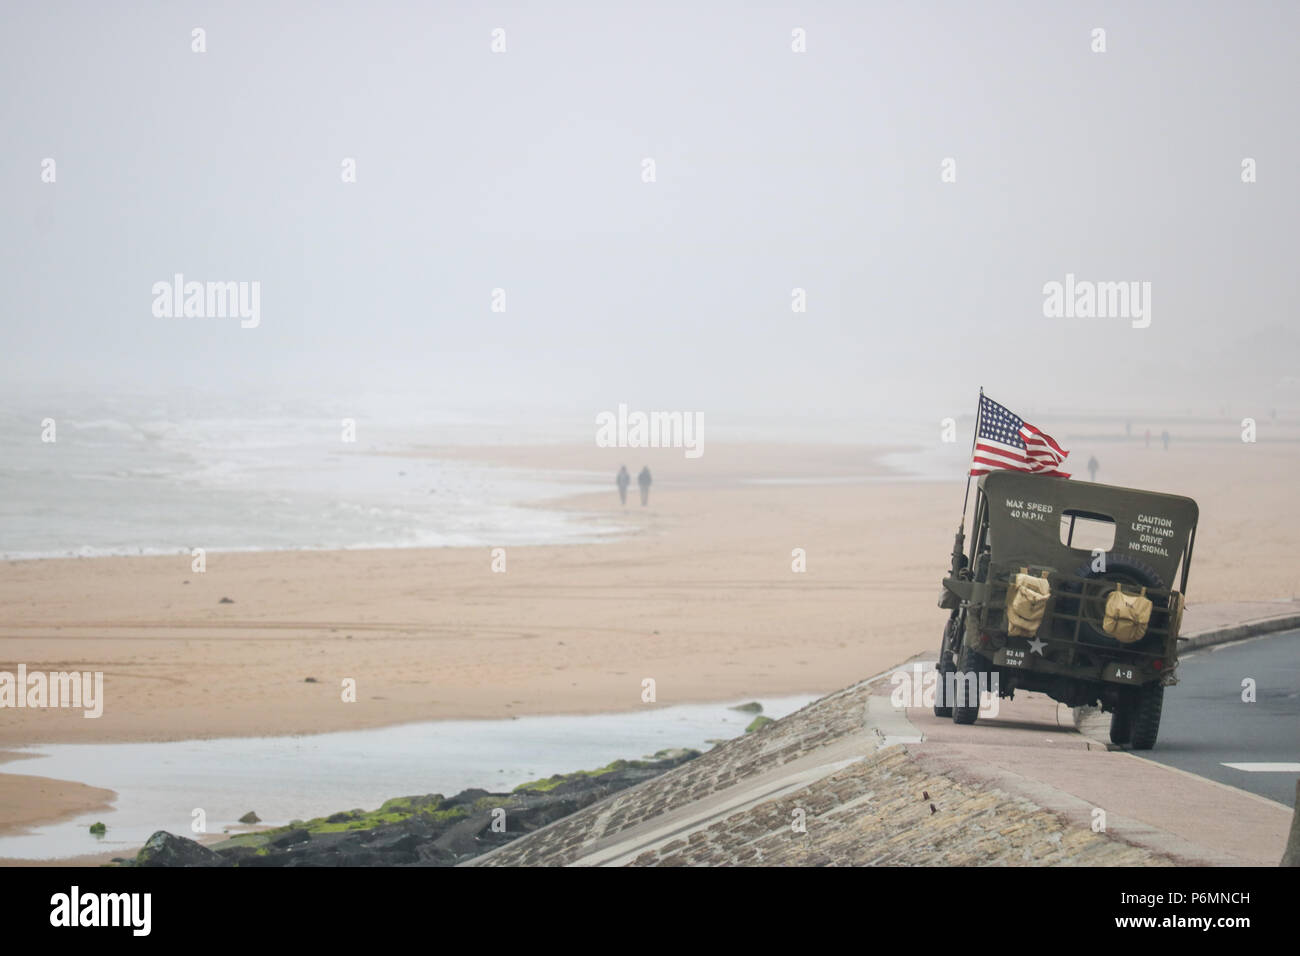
x: 1207, y: 725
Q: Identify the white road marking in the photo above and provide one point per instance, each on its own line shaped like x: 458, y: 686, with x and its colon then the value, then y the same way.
x: 1266, y: 767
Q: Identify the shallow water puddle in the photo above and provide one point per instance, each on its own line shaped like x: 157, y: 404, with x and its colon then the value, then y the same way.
x: 160, y: 785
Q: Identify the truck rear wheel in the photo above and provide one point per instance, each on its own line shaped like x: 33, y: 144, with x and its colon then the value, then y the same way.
x: 1121, y: 722
x: 1135, y: 722
x: 1146, y: 716
x: 966, y: 703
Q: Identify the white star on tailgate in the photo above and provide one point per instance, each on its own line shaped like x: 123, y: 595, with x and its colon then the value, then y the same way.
x: 1036, y: 646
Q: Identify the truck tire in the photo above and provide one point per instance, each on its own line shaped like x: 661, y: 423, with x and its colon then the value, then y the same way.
x: 1146, y: 716
x: 965, y: 711
x: 943, y: 706
x: 1121, y: 721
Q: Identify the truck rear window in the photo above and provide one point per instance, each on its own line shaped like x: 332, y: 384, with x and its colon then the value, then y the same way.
x: 1087, y: 530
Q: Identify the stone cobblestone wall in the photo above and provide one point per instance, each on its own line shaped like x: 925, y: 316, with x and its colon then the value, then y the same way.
x: 876, y: 813
x: 882, y: 809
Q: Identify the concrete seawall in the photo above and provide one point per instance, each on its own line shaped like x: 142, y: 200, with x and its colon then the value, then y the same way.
x: 852, y: 780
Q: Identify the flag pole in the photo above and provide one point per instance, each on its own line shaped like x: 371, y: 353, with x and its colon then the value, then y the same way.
x: 979, y: 410
x: 959, y: 542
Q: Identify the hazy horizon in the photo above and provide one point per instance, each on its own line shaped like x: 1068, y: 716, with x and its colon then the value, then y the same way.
x: 774, y: 170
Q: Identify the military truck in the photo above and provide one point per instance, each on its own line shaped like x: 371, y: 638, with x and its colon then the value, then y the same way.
x: 1068, y: 588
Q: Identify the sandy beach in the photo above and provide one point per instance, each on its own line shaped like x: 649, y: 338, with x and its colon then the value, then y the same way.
x: 695, y: 591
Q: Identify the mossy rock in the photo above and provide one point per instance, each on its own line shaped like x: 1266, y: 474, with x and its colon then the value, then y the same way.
x: 674, y: 753
x: 550, y: 783
x: 246, y: 840
x: 98, y: 829
x: 446, y: 816
x: 758, y: 723
x: 392, y: 811
x: 753, y: 707
x: 483, y: 804
x: 250, y: 817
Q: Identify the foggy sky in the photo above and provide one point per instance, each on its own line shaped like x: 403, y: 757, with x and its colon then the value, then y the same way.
x: 522, y: 170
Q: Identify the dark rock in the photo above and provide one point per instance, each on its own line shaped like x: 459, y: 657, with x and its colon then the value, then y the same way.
x: 430, y: 854
x: 264, y: 859
x: 753, y: 707
x: 465, y: 797
x: 310, y: 680
x: 239, y: 855
x: 250, y: 817
x: 225, y: 600
x: 674, y: 753
x: 167, y: 849
x: 290, y: 838
x: 396, y: 845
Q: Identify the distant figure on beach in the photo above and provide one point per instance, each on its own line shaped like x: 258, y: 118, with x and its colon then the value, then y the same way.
x: 1092, y: 468
x: 643, y: 480
x: 1164, y: 437
x: 623, y: 480
x: 1148, y: 438
x: 1128, y: 429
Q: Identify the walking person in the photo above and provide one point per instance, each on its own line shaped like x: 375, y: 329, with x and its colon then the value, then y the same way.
x: 1164, y: 437
x: 1092, y: 468
x: 623, y: 480
x: 643, y: 480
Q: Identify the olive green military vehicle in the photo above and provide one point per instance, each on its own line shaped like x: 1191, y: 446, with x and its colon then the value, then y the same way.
x: 1071, y: 589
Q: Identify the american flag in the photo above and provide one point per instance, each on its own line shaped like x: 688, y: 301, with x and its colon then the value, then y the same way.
x: 1004, y: 442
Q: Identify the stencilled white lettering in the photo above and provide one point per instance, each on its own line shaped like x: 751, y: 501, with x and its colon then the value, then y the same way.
x: 1028, y: 510
x: 1153, y: 535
